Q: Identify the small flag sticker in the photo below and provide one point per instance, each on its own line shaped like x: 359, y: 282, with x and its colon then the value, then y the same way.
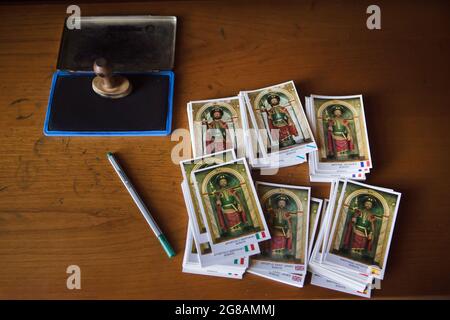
x: 365, y: 164
x: 249, y: 248
x: 260, y: 235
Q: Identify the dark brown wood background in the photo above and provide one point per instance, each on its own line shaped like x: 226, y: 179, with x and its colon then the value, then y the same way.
x: 61, y: 203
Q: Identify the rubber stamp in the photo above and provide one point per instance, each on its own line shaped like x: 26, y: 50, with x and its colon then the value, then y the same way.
x: 107, y: 84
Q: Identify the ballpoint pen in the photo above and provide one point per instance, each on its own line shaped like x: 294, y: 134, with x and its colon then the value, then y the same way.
x: 137, y: 199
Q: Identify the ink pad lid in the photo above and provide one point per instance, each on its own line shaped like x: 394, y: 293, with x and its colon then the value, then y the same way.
x: 129, y: 43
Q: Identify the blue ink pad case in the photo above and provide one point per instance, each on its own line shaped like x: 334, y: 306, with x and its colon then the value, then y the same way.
x: 141, y: 48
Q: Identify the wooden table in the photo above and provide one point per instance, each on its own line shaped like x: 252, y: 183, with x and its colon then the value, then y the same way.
x: 62, y: 204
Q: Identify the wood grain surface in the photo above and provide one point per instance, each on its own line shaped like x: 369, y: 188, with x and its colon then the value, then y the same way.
x: 62, y: 204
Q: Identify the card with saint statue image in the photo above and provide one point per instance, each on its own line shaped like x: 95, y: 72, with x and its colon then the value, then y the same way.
x: 343, y: 277
x: 203, y: 253
x: 229, y: 206
x: 341, y: 131
x: 254, y: 153
x: 277, y: 114
x: 286, y: 209
x: 216, y: 125
x: 362, y: 230
x: 189, y: 165
x: 317, y: 263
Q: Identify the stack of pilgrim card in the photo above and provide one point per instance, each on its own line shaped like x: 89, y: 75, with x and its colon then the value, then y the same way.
x: 339, y: 125
x: 277, y: 129
x: 226, y: 222
x: 353, y: 240
x: 267, y: 126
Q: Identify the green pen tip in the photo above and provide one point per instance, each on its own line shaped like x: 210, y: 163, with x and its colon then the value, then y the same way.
x: 109, y: 154
x: 167, y: 247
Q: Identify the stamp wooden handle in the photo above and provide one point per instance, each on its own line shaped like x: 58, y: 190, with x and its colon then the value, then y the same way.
x: 108, y: 85
x: 104, y: 71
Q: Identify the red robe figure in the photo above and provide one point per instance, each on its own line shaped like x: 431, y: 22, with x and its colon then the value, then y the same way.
x: 279, y: 119
x: 339, y: 134
x: 217, y: 133
x: 360, y: 229
x: 230, y: 213
x: 280, y: 226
